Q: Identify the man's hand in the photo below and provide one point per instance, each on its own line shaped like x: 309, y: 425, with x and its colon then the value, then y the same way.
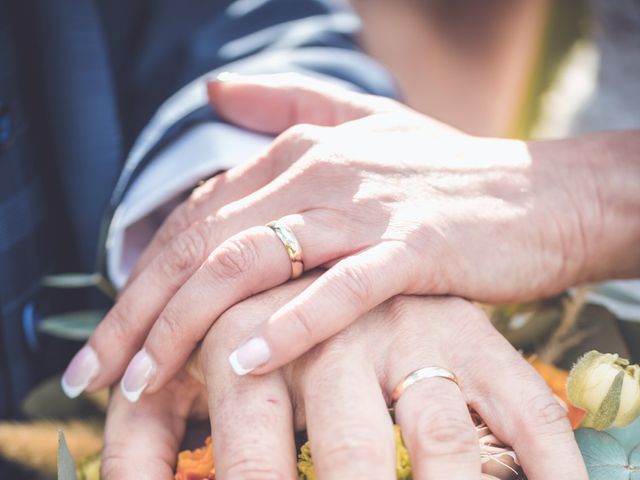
x: 340, y: 392
x: 390, y: 200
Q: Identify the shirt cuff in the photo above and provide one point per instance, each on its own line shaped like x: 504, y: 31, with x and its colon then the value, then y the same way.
x: 198, y: 154
x: 622, y: 297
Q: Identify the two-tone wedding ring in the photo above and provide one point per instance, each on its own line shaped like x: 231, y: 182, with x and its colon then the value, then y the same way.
x: 291, y: 245
x: 418, y: 376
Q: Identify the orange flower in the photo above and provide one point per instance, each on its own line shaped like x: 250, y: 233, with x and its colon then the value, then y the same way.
x: 196, y: 464
x: 557, y: 378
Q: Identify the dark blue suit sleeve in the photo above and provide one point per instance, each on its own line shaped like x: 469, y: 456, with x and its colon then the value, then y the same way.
x: 274, y: 36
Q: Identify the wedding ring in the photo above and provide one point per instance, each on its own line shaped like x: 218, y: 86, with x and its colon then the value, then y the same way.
x: 418, y: 376
x: 291, y: 245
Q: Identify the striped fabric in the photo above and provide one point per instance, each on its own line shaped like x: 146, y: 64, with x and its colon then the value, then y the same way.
x: 79, y: 80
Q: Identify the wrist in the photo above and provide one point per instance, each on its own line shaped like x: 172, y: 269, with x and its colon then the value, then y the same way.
x: 564, y: 210
x: 597, y: 213
x: 614, y: 163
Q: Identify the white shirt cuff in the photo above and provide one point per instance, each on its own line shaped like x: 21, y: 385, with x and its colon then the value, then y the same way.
x: 198, y: 154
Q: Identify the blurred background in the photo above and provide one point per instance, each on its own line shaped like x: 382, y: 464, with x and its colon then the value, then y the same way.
x: 491, y: 67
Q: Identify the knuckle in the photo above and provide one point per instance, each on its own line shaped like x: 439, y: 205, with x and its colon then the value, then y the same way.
x: 471, y: 324
x: 402, y: 307
x: 290, y: 145
x: 170, y: 327
x: 201, y: 194
x: 301, y: 132
x: 547, y: 416
x: 354, y: 283
x: 111, y: 464
x: 354, y: 444
x: 305, y: 323
x: 233, y: 258
x: 465, y: 311
x: 444, y: 433
x: 255, y: 467
x: 176, y: 223
x: 180, y: 218
x: 321, y: 163
x: 185, y: 252
x: 117, y: 326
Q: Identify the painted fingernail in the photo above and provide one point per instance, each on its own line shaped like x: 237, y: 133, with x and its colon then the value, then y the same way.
x: 139, y: 373
x: 82, y: 369
x: 250, y: 356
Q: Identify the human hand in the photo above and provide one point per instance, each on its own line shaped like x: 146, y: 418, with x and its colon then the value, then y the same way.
x: 392, y: 201
x: 339, y: 392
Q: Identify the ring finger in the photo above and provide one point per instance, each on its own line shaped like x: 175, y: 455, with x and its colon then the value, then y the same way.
x: 230, y: 186
x: 438, y: 431
x: 244, y: 265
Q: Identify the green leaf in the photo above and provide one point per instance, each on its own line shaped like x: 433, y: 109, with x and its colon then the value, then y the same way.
x: 66, y: 467
x: 80, y: 280
x: 604, y: 456
x: 610, y: 405
x: 106, y: 287
x: 47, y: 401
x: 73, y: 325
x: 71, y: 280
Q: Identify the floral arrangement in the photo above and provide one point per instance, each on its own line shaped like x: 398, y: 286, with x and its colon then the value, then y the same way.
x: 601, y: 391
x: 601, y: 394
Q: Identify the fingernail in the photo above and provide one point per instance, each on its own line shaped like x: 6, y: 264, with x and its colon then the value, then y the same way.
x: 81, y: 371
x: 226, y: 76
x: 250, y: 356
x: 139, y: 373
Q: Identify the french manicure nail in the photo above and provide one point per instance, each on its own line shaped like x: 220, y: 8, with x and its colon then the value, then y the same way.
x: 81, y: 371
x: 250, y: 356
x: 139, y: 373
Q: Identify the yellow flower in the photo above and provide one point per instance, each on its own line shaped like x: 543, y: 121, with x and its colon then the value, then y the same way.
x: 607, y: 388
x: 403, y: 465
x: 89, y: 468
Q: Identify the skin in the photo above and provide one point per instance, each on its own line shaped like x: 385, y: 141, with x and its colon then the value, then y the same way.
x: 485, y: 219
x: 339, y: 392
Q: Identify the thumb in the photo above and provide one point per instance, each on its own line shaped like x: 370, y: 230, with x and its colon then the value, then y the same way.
x: 273, y: 103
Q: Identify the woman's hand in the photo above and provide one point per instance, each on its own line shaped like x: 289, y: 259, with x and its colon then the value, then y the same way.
x: 339, y: 392
x: 390, y: 200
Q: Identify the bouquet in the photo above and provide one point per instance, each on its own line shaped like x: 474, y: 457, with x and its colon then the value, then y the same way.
x: 601, y: 395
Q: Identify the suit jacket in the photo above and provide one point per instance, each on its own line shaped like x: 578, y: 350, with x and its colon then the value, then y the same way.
x: 79, y: 80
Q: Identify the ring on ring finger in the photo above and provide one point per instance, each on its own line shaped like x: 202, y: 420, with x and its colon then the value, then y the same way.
x: 418, y: 376
x: 291, y: 245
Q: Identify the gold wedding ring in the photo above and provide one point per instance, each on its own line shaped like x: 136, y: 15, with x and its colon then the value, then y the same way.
x: 291, y: 245
x: 418, y: 376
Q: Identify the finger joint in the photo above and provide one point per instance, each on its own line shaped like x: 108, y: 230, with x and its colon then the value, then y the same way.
x: 185, y: 252
x: 443, y: 432
x: 233, y: 259
x: 355, y: 284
